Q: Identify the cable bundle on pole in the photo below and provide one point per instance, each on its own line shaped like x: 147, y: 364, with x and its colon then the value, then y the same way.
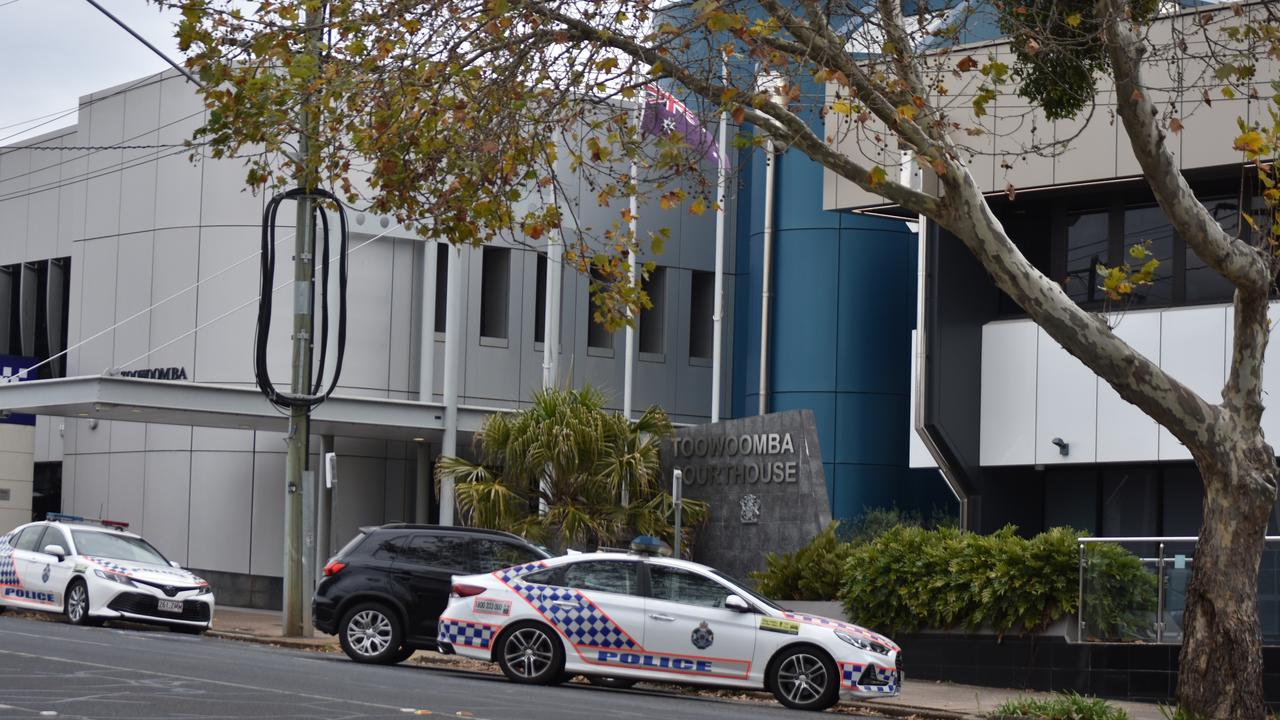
x: 318, y: 392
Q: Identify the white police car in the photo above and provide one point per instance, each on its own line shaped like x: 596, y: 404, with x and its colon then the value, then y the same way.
x: 93, y: 570
x: 626, y: 617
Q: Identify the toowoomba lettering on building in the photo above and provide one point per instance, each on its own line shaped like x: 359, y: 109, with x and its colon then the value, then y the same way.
x: 755, y: 459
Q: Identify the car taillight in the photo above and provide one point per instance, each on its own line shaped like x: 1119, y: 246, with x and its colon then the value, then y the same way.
x: 333, y: 568
x: 464, y: 590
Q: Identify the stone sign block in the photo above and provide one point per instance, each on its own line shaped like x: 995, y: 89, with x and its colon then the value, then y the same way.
x: 763, y: 482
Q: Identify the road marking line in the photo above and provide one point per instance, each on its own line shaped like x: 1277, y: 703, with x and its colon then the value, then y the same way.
x: 241, y: 686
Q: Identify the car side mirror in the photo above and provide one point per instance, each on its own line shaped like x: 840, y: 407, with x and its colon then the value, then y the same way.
x: 56, y: 550
x: 733, y: 602
x: 176, y: 564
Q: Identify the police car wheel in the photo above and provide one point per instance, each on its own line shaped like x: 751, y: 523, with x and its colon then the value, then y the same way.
x: 371, y: 633
x: 804, y: 678
x: 531, y: 653
x: 76, y: 603
x: 610, y: 682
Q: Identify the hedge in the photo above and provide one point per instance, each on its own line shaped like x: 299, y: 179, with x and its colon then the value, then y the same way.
x: 911, y: 578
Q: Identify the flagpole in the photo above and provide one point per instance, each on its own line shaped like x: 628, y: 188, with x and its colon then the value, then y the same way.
x: 628, y: 373
x: 717, y: 316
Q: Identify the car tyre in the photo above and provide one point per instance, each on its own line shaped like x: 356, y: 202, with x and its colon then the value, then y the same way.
x: 371, y: 633
x: 611, y: 682
x: 75, y: 604
x: 804, y: 678
x: 531, y: 654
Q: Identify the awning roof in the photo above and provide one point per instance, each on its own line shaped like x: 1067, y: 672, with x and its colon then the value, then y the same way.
x: 227, y: 406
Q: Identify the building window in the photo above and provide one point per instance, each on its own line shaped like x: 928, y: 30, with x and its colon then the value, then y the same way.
x: 597, y: 335
x: 442, y: 283
x: 652, y: 325
x: 540, y: 301
x: 1147, y: 225
x: 1088, y: 240
x: 495, y: 284
x: 701, y: 303
x: 1203, y: 283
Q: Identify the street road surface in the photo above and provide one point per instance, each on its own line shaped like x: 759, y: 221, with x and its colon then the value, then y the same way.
x: 52, y: 667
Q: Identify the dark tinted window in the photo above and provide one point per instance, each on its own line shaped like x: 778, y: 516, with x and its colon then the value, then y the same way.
x: 1148, y: 226
x: 701, y: 303
x: 540, y: 300
x: 54, y: 536
x: 29, y: 539
x: 493, y: 554
x: 615, y: 576
x: 1088, y: 240
x: 682, y: 586
x: 1203, y: 283
x: 447, y: 552
x: 389, y: 546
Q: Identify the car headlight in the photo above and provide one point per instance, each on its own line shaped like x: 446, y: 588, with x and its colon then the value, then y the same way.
x: 862, y: 643
x: 114, y: 577
x: 203, y: 589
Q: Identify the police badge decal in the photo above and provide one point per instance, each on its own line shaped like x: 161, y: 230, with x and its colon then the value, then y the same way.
x: 702, y: 636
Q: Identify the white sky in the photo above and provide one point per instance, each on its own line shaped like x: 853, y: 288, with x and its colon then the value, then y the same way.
x: 54, y: 51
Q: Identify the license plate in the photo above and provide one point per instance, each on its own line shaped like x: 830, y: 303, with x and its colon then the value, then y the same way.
x: 173, y: 606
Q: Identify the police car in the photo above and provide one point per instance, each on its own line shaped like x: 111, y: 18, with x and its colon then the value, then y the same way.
x: 624, y: 617
x: 94, y: 570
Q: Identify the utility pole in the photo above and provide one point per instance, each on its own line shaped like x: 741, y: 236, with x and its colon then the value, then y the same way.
x: 296, y: 462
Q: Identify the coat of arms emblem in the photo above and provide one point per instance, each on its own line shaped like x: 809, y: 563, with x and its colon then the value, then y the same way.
x: 750, y: 505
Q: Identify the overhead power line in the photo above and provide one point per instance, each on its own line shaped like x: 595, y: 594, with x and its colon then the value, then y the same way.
x: 144, y: 41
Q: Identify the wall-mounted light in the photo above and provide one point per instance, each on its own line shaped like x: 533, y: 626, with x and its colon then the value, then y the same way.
x: 1064, y: 448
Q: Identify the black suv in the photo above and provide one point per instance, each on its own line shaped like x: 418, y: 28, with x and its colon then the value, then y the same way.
x: 383, y: 593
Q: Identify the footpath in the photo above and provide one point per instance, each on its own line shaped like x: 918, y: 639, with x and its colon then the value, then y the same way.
x: 922, y: 699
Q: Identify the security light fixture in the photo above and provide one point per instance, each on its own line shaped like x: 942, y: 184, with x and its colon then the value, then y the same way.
x: 1064, y: 448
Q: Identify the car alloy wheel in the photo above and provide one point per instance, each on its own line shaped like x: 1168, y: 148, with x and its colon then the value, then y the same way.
x: 531, y: 654
x: 804, y: 679
x: 77, y: 603
x: 370, y: 633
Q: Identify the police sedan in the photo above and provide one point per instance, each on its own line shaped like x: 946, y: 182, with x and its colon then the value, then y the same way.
x: 626, y: 617
x: 94, y: 570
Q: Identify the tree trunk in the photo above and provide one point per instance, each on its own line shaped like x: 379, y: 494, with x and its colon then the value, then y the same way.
x: 1220, y: 666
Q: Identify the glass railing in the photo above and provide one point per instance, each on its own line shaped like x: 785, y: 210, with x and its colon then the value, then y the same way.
x: 1133, y: 589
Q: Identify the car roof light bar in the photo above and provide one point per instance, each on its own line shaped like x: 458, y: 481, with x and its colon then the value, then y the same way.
x: 64, y: 517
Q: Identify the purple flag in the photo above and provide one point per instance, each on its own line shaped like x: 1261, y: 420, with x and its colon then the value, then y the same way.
x: 665, y: 115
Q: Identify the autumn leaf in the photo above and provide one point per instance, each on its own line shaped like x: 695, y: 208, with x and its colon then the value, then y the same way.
x: 1175, y: 126
x: 907, y: 111
x: 1251, y: 143
x: 698, y: 207
x: 1010, y: 190
x: 967, y: 64
x: 842, y: 107
x: 876, y: 176
x: 1073, y: 19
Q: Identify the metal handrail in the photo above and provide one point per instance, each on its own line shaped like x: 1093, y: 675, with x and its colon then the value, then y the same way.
x: 1191, y: 538
x: 1160, y: 561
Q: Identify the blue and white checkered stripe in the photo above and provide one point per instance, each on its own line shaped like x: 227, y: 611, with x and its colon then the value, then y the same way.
x: 581, y: 621
x: 459, y: 632
x: 8, y: 572
x: 106, y: 564
x: 849, y: 674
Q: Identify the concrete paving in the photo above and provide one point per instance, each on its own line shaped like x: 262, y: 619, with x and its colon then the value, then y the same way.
x: 920, y: 698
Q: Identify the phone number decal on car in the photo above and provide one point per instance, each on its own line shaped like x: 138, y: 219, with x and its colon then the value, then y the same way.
x: 490, y: 606
x: 779, y: 626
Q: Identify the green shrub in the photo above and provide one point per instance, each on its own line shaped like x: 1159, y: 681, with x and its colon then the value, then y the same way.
x: 1063, y: 706
x: 910, y: 578
x: 814, y: 572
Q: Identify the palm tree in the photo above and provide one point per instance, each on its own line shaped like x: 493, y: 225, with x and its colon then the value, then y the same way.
x: 557, y: 472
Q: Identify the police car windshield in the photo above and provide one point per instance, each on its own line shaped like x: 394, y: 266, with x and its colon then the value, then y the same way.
x: 116, y: 547
x: 747, y: 589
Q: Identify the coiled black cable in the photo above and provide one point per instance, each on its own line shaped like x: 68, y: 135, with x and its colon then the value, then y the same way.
x: 262, y: 333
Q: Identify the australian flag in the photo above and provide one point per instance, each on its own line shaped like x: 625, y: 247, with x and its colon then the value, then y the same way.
x: 664, y: 115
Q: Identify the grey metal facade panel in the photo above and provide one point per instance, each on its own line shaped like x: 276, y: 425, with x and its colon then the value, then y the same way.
x: 266, y: 555
x: 221, y: 511
x: 125, y: 489
x: 166, y: 501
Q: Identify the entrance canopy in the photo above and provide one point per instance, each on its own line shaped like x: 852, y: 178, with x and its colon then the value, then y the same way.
x: 227, y: 406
